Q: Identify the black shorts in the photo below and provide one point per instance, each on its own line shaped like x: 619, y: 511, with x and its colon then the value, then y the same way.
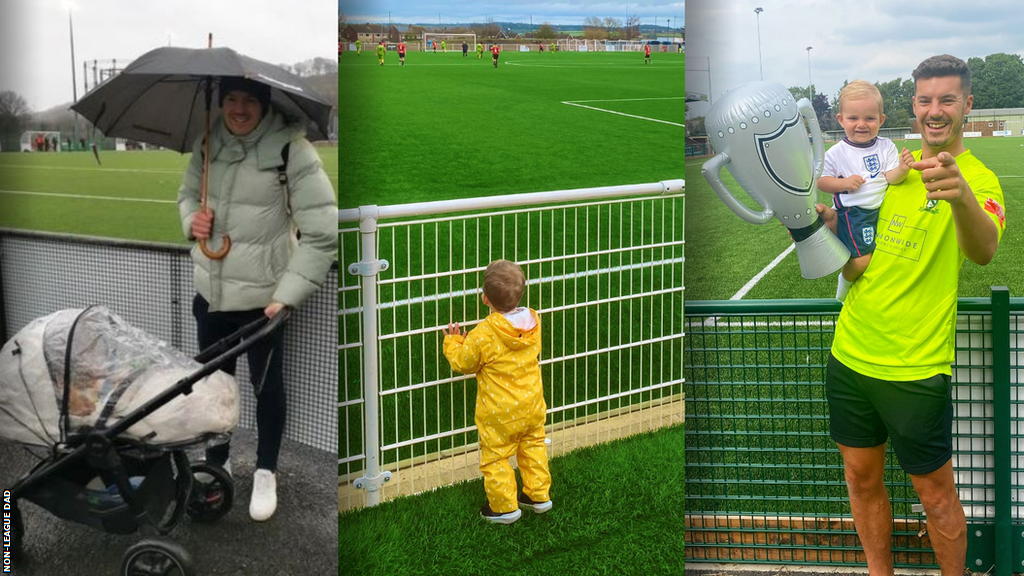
x: 856, y: 229
x: 401, y: 54
x: 917, y: 415
x: 495, y: 56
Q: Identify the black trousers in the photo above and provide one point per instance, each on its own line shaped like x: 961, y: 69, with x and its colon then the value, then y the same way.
x: 265, y: 357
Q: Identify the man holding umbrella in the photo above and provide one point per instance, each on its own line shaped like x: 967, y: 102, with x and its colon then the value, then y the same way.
x: 255, y: 198
x: 265, y: 182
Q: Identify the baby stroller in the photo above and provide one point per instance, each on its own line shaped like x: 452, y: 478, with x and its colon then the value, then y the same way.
x: 113, y: 410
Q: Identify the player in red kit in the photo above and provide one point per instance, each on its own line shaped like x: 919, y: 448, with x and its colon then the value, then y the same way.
x: 495, y: 49
x: 401, y: 53
x: 647, y: 53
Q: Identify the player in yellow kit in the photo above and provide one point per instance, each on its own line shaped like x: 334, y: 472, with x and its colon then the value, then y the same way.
x: 503, y: 352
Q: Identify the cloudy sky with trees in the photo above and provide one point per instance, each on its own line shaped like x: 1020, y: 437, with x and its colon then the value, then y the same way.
x: 35, y: 51
x: 869, y: 39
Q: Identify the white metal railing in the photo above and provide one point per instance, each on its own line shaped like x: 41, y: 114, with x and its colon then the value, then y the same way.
x: 604, y: 270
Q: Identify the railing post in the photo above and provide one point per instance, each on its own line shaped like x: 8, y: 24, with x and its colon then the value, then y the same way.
x: 368, y: 267
x: 1001, y: 403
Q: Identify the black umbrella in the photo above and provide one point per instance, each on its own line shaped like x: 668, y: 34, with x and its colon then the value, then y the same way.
x: 165, y: 98
x: 159, y: 98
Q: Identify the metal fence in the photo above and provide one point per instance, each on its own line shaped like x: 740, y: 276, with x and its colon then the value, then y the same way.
x: 604, y: 270
x: 765, y: 481
x: 150, y: 286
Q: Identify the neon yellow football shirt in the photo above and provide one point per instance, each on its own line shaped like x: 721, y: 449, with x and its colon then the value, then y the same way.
x: 899, y: 319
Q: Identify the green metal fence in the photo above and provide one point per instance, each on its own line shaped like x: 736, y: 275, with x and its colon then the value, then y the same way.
x: 765, y: 480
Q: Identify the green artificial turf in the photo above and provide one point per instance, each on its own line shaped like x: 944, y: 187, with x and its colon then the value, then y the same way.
x: 445, y: 127
x: 131, y: 195
x: 618, y: 509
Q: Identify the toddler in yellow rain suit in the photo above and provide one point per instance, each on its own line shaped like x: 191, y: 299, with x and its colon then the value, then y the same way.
x: 510, y: 410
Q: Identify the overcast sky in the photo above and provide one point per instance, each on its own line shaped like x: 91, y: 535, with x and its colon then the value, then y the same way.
x: 868, y: 39
x: 556, y: 12
x: 37, y: 54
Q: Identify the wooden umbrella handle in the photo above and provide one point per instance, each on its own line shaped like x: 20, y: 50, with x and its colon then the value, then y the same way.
x: 203, y: 187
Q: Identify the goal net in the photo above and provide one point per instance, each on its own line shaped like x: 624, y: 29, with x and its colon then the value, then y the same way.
x: 452, y: 42
x: 40, y: 141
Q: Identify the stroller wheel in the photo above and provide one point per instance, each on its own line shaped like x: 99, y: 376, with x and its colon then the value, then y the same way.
x: 213, y: 493
x: 157, y: 558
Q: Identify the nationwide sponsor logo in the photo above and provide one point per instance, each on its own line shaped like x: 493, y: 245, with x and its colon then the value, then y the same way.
x: 899, y: 239
x: 873, y: 164
x: 995, y: 208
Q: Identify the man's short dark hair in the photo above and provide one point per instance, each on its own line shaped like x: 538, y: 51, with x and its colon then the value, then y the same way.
x: 944, y: 65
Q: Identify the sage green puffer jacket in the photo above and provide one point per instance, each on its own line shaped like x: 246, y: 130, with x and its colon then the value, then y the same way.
x: 267, y: 262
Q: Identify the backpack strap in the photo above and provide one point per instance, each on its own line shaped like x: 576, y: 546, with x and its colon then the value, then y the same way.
x: 282, y: 170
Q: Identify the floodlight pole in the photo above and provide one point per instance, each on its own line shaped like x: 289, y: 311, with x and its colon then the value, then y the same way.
x: 757, y: 13
x: 809, y: 83
x: 74, y: 81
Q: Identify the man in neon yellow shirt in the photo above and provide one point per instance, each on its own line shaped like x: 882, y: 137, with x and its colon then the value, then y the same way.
x: 889, y: 374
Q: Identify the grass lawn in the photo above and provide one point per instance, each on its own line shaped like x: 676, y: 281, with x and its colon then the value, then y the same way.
x: 618, y: 509
x: 132, y: 195
x: 724, y: 252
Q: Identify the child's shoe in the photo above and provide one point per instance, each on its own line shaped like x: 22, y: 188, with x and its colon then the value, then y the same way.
x: 498, y: 518
x: 537, y: 507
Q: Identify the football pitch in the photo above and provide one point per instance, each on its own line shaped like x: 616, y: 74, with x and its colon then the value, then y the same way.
x: 445, y: 127
x: 729, y: 258
x: 132, y: 195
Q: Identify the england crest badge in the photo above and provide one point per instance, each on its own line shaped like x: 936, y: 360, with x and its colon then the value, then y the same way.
x: 873, y: 164
x: 868, y: 232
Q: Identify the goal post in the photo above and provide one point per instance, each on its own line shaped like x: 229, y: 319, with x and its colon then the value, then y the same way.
x: 452, y: 41
x: 40, y: 141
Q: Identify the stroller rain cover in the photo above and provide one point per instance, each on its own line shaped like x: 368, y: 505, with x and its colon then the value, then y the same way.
x: 114, y: 369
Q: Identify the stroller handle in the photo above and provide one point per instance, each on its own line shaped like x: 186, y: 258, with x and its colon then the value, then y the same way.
x: 259, y: 328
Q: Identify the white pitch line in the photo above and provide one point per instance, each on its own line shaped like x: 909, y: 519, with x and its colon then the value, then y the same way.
x: 97, y: 169
x: 624, y: 114
x: 87, y: 197
x: 762, y: 324
x: 753, y: 281
x: 669, y: 67
x: 629, y: 99
x: 92, y: 169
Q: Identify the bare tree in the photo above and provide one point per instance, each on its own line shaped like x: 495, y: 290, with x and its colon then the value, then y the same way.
x: 632, y: 27
x: 593, y: 29
x: 613, y: 26
x: 341, y: 23
x: 14, y: 116
x: 490, y: 28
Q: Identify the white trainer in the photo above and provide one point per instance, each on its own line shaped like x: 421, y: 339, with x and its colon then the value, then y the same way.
x: 264, y: 495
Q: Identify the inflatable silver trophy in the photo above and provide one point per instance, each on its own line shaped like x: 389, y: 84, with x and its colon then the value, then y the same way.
x: 758, y: 132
